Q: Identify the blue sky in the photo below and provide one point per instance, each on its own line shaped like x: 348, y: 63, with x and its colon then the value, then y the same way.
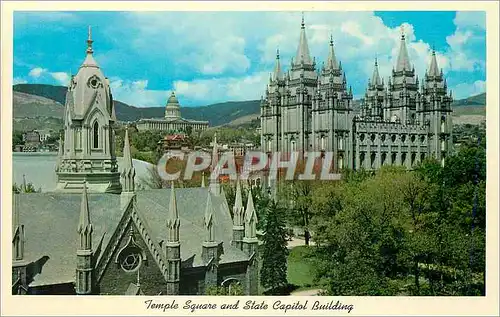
x: 209, y: 57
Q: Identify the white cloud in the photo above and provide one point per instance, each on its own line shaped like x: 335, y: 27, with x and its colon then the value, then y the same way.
x: 18, y: 80
x: 61, y: 77
x: 232, y: 88
x: 465, y: 90
x: 466, y: 44
x: 465, y: 19
x: 36, y: 72
x: 135, y: 93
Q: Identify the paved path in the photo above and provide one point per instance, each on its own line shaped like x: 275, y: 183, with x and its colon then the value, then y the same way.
x: 308, y: 292
x: 296, y: 242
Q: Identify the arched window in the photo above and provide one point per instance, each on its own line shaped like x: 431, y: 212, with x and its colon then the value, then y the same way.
x: 443, y: 124
x: 95, y: 135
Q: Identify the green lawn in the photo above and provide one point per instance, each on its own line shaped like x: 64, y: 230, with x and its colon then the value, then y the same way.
x: 300, y: 271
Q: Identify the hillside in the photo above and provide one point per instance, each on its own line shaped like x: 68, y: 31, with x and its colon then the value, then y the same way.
x: 477, y: 100
x: 36, y: 106
x: 215, y: 114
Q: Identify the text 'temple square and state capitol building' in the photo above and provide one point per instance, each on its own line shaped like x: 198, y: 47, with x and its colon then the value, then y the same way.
x: 401, y: 122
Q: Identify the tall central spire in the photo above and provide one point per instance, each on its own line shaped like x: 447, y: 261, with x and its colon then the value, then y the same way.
x: 403, y: 62
x: 89, y: 42
x: 433, y: 68
x: 303, y: 49
x: 331, y: 62
x: 277, y: 67
x: 89, y: 59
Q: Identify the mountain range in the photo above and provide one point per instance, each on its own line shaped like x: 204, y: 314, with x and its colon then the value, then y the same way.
x: 37, y: 106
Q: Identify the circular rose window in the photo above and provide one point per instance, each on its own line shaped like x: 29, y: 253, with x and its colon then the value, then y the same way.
x: 130, y: 260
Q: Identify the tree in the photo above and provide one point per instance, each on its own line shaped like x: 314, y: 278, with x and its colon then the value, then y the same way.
x: 273, y: 273
x: 234, y: 289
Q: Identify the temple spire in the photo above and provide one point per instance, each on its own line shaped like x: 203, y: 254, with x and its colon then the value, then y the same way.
x: 277, y: 67
x: 375, y: 80
x: 128, y: 173
x: 89, y: 42
x: 173, y: 221
x: 214, y: 176
x: 433, y: 68
x: 250, y: 218
x: 403, y: 61
x: 89, y: 59
x: 209, y: 220
x: 331, y: 62
x: 85, y: 228
x: 303, y: 55
x: 238, y: 209
x: 203, y: 179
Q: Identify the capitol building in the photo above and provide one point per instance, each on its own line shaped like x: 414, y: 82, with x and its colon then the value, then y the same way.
x: 172, y: 121
x: 401, y: 122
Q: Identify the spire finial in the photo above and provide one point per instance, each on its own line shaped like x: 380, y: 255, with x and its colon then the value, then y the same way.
x: 331, y: 39
x: 303, y: 25
x: 402, y: 28
x: 89, y: 42
x: 278, y: 53
x: 376, y: 60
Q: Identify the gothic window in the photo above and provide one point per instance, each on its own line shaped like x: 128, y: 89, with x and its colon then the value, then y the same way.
x: 422, y: 139
x: 384, y: 156
x: 362, y: 159
x: 362, y: 137
x: 403, y: 158
x: 372, y: 137
x: 372, y: 160
x: 412, y: 138
x: 443, y: 124
x: 231, y: 286
x: 422, y: 157
x: 95, y: 135
x: 413, y: 157
x: 393, y: 158
x: 130, y: 259
x: 341, y: 143
x: 341, y: 162
x: 403, y: 138
x: 292, y: 145
x: 393, y: 138
x: 383, y: 137
x: 322, y: 143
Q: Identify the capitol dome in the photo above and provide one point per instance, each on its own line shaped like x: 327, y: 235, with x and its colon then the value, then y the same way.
x: 173, y: 108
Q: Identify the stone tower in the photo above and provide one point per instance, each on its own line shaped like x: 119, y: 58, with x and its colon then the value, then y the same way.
x: 89, y: 151
x: 435, y: 104
x: 250, y: 245
x: 173, y: 246
x: 19, y: 264
x: 238, y: 214
x: 84, y: 266
x: 210, y: 251
x: 403, y: 87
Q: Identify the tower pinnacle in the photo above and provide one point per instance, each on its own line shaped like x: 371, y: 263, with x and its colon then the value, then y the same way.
x: 89, y: 42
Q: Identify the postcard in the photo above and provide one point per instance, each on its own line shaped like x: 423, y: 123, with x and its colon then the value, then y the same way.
x: 250, y: 158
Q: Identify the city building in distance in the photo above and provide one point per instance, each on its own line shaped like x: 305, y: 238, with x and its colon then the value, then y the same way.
x: 172, y: 121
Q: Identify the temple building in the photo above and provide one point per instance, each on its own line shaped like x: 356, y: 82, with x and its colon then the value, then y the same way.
x: 97, y: 234
x: 401, y: 122
x: 172, y: 122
